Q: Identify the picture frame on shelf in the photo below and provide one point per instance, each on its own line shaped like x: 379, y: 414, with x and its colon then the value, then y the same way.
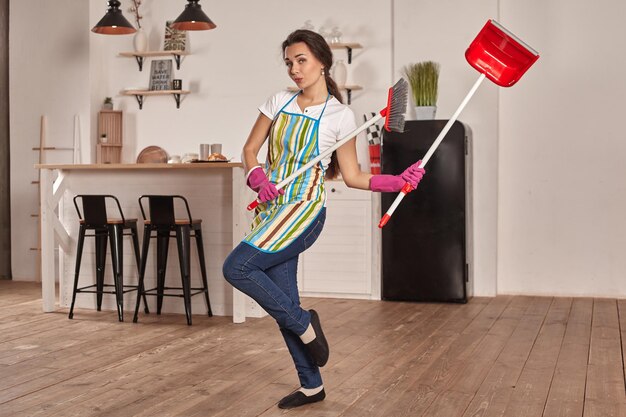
x: 160, y: 75
x: 175, y: 40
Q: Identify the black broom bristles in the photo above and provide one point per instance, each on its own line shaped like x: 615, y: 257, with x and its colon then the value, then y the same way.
x: 396, y: 106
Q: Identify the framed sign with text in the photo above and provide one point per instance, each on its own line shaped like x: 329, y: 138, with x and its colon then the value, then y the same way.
x: 161, y: 74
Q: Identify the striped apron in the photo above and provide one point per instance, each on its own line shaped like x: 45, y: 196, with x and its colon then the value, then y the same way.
x: 293, y: 141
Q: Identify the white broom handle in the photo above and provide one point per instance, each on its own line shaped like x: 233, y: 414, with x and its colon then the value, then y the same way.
x: 448, y: 125
x: 323, y: 155
x: 432, y: 149
x: 329, y: 151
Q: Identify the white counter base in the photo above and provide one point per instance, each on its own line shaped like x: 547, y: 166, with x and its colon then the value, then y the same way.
x: 216, y: 194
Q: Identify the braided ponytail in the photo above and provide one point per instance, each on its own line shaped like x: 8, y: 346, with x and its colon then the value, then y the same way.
x: 333, y: 167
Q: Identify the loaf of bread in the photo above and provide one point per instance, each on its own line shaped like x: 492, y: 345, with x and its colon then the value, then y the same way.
x: 217, y: 157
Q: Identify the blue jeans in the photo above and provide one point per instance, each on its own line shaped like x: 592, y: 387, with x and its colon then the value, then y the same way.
x: 270, y: 279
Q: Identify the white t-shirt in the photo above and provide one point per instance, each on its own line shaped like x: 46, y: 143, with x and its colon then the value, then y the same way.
x: 336, y: 122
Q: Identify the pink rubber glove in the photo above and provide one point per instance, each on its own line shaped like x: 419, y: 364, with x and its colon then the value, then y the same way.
x: 257, y: 180
x: 394, y: 183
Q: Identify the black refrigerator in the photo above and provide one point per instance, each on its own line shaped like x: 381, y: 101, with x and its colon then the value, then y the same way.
x: 426, y: 244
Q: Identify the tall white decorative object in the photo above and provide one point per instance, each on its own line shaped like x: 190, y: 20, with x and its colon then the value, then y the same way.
x: 76, y: 158
x: 140, y: 41
x: 340, y: 73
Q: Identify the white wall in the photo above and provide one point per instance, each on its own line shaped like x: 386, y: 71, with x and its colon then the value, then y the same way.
x: 49, y: 75
x: 543, y: 224
x: 231, y: 70
x: 562, y: 195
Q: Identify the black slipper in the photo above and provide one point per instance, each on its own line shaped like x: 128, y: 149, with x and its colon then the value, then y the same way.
x: 298, y: 398
x: 318, y: 348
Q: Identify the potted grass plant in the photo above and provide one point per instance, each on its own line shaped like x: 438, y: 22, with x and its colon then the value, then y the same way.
x: 423, y: 78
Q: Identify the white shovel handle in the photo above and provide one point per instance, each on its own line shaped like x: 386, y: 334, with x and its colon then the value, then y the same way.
x: 431, y: 151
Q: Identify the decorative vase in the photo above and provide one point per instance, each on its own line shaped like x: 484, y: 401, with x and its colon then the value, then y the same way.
x: 425, y: 112
x: 340, y: 73
x: 140, y: 41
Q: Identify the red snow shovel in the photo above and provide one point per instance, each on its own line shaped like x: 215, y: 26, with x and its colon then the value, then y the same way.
x: 498, y: 55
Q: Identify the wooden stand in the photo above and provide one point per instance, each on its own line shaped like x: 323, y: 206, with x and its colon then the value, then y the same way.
x: 42, y: 149
x: 109, y: 124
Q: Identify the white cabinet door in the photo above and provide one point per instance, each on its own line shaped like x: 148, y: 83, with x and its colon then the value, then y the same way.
x: 339, y: 263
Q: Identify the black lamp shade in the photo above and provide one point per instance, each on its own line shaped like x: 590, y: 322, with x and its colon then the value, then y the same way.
x: 193, y: 18
x: 114, y: 22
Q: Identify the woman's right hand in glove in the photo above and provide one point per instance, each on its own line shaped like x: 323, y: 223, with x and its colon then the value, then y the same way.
x: 258, y: 181
x: 394, y: 183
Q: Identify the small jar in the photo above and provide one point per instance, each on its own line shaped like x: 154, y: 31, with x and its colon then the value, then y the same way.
x: 104, y: 138
x: 335, y: 35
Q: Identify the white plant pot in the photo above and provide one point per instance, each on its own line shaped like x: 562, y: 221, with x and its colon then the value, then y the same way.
x: 140, y: 41
x: 425, y: 112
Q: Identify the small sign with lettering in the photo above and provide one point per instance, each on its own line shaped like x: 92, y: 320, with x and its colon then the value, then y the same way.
x: 161, y: 74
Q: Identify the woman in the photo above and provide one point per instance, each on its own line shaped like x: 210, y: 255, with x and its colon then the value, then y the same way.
x: 299, y: 126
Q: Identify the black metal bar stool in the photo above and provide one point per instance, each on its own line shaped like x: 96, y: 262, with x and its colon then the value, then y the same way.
x: 104, y: 228
x: 163, y: 221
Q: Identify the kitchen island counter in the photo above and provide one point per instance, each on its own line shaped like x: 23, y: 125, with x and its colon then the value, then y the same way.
x: 190, y: 165
x: 216, y: 193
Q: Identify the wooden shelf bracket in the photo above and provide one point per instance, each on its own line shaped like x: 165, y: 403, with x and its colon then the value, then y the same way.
x: 139, y: 62
x: 139, y: 98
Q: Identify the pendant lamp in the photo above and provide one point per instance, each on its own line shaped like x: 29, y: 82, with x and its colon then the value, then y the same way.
x: 193, y: 18
x: 114, y: 22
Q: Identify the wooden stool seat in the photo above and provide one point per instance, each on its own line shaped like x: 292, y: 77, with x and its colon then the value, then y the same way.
x: 179, y: 221
x: 115, y: 221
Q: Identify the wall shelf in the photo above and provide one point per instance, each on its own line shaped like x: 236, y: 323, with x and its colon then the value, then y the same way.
x: 53, y: 148
x: 139, y: 56
x: 347, y: 88
x: 348, y: 46
x: 140, y: 94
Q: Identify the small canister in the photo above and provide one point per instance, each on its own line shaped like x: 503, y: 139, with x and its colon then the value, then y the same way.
x: 205, y: 150
x: 216, y: 148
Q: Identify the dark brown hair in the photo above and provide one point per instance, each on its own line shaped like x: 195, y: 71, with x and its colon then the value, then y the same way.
x: 320, y: 49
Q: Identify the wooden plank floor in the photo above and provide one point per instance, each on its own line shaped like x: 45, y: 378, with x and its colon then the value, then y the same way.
x: 503, y: 356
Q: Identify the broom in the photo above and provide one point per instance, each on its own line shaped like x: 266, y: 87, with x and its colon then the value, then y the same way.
x: 394, y: 122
